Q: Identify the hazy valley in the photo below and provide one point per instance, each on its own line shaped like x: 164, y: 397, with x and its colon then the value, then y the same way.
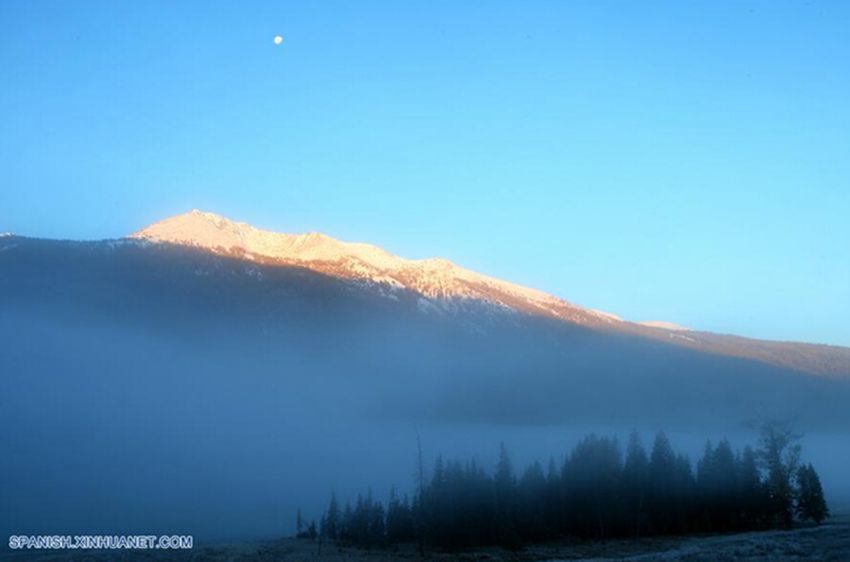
x: 215, y: 390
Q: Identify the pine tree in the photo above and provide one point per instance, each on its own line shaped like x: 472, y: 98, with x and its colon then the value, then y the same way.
x: 331, y: 525
x: 399, y: 524
x: 634, y: 484
x: 810, y: 501
x: 299, y: 524
x: 505, y: 486
x: 751, y: 496
x: 377, y: 525
x: 531, y: 503
x: 554, y: 503
x: 683, y: 493
x: 591, y: 484
x: 780, y: 456
x: 312, y: 533
x: 346, y: 530
x: 717, y: 486
x: 662, y: 474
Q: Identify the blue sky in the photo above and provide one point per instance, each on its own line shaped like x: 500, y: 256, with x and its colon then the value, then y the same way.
x: 685, y: 161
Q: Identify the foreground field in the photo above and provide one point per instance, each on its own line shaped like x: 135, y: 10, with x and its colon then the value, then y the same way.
x: 829, y: 542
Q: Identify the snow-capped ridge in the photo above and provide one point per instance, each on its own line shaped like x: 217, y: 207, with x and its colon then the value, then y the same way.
x: 434, y: 278
x: 209, y: 230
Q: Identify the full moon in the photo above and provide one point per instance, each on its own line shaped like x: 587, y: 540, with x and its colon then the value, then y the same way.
x: 278, y: 39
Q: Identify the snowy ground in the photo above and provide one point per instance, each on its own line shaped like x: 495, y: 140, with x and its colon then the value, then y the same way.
x: 828, y: 542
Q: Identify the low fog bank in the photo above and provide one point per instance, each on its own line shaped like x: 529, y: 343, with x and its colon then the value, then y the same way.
x: 112, y: 430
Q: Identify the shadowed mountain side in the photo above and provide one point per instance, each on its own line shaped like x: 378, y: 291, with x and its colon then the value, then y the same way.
x: 163, y: 389
x: 820, y: 359
x: 443, y: 284
x: 395, y: 355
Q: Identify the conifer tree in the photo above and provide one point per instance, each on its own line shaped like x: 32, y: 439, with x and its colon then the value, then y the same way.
x: 751, y: 497
x: 780, y: 454
x: 331, y: 525
x: 531, y: 503
x: 505, y: 487
x: 810, y: 501
x: 312, y: 533
x: 662, y: 474
x: 634, y: 484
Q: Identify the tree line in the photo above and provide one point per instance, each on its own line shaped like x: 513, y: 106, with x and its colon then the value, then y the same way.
x: 596, y: 492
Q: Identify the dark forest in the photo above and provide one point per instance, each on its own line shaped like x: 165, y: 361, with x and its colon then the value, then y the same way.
x: 596, y: 492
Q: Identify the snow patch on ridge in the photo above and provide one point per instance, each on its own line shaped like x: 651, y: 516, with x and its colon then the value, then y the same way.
x: 606, y: 315
x: 664, y: 325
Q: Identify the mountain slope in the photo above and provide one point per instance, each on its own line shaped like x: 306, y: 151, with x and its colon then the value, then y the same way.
x: 161, y: 387
x: 445, y: 286
x: 401, y: 356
